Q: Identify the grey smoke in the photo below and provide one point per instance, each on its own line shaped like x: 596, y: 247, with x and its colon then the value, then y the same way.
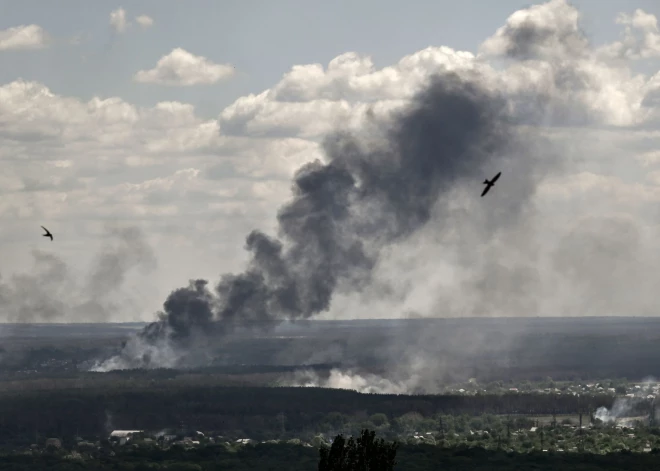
x: 377, y: 187
x: 599, y: 256
x: 124, y: 252
x: 50, y: 291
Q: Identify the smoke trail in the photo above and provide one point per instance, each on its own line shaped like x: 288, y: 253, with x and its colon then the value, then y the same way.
x: 377, y: 187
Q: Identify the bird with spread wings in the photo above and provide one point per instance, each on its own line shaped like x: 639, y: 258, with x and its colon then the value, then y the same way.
x: 490, y: 183
x: 47, y: 234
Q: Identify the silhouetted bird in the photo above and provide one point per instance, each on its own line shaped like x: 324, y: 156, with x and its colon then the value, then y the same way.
x: 47, y: 234
x: 490, y: 183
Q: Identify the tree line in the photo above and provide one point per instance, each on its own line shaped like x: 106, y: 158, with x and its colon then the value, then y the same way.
x: 250, y: 411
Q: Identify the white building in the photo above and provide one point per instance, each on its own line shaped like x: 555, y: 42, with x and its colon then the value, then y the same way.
x: 123, y: 436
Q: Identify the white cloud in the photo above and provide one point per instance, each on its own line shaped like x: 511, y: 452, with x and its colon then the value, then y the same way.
x: 181, y: 68
x: 547, y: 30
x: 639, y: 40
x: 199, y: 185
x: 23, y: 37
x: 144, y: 21
x: 551, y: 59
x: 310, y: 101
x: 546, y: 57
x: 118, y: 20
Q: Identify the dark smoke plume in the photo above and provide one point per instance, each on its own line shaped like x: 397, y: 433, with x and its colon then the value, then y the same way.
x: 376, y: 188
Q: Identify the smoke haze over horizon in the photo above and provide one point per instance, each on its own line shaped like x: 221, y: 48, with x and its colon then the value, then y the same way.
x: 354, y: 190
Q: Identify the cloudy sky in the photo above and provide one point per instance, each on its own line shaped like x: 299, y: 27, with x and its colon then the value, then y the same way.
x: 151, y: 137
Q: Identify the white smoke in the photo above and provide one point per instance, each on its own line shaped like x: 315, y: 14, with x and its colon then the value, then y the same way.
x: 648, y: 383
x: 619, y: 409
x: 109, y: 424
x: 621, y: 412
x: 159, y: 353
x: 367, y: 383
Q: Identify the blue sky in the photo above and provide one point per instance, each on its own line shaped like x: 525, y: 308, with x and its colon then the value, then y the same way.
x: 262, y: 38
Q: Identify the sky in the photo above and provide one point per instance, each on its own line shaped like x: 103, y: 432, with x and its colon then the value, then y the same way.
x: 152, y: 137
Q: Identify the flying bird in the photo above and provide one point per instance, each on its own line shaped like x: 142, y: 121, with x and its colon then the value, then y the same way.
x: 490, y: 183
x: 47, y: 234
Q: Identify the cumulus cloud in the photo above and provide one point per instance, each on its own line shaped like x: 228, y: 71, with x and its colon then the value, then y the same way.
x: 548, y: 30
x: 23, y: 37
x: 181, y: 68
x: 640, y: 38
x: 118, y: 20
x: 144, y: 21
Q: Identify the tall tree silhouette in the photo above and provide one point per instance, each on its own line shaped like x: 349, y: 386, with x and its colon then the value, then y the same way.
x: 364, y: 454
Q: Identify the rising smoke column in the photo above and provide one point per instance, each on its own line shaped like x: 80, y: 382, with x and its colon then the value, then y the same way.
x: 375, y: 188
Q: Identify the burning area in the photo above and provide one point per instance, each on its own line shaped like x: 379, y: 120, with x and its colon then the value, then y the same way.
x: 377, y: 187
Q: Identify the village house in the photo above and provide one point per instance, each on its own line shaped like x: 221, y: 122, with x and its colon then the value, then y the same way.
x: 123, y: 436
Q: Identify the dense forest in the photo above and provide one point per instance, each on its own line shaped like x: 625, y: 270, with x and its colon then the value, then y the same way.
x: 255, y: 412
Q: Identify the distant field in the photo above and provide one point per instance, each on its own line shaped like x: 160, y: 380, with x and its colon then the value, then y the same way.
x: 68, y: 330
x: 454, y: 349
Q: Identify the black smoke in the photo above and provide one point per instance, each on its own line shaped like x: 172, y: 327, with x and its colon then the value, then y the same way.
x: 375, y: 188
